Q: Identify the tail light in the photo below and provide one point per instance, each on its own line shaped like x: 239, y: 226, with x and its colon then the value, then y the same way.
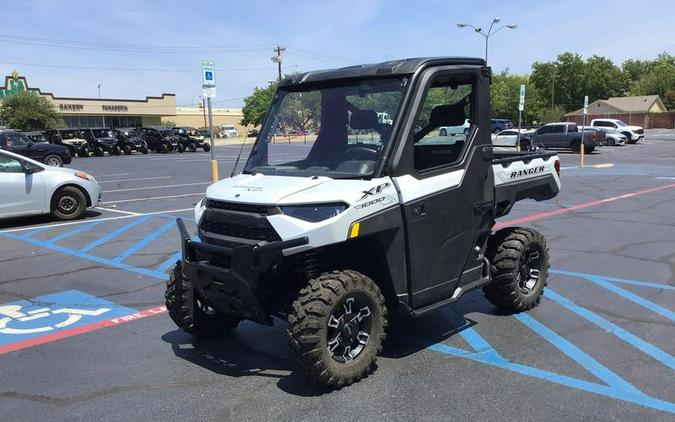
x: 594, y: 136
x: 556, y: 165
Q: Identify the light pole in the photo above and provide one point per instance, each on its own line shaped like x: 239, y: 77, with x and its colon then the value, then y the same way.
x: 489, y: 32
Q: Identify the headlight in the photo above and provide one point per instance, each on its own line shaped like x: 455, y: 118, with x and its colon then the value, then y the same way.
x: 85, y: 176
x: 314, y: 213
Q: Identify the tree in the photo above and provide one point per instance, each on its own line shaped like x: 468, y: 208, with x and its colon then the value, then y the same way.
x: 169, y: 123
x: 658, y: 78
x: 602, y: 79
x: 28, y: 112
x: 256, y: 105
x: 505, y: 96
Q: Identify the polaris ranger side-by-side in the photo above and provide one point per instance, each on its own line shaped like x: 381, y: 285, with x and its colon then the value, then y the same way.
x: 373, y: 218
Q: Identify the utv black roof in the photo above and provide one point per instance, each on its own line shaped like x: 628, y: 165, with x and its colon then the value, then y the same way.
x: 159, y: 127
x: 389, y: 68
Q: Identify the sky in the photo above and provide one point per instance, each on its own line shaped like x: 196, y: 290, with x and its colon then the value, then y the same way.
x: 138, y: 48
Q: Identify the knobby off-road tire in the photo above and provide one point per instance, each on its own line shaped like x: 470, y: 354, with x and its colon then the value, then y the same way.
x: 189, y: 313
x: 336, y: 328
x: 519, y: 265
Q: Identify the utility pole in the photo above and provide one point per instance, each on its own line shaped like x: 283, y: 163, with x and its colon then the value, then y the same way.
x: 204, y: 109
x: 277, y: 59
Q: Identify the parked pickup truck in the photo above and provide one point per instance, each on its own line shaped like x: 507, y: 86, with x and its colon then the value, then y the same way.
x: 632, y: 133
x: 566, y: 135
x: 338, y: 237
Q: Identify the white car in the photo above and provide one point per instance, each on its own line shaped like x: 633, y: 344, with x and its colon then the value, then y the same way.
x: 509, y: 137
x: 28, y: 187
x: 614, y: 126
x: 455, y: 130
x: 228, y: 131
x: 611, y: 139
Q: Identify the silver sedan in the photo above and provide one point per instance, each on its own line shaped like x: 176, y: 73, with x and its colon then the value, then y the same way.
x: 28, y: 187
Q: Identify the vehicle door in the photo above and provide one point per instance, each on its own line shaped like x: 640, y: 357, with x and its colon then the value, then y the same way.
x: 542, y: 135
x: 22, y: 191
x: 556, y: 137
x: 446, y: 186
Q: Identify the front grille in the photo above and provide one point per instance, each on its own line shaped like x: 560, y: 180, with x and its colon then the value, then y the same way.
x: 241, y: 221
x: 640, y: 131
x: 233, y: 206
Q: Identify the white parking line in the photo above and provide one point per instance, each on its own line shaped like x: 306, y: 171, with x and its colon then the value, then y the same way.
x: 132, y: 180
x: 72, y: 223
x: 118, y: 211
x: 111, y: 175
x: 151, y: 198
x: 156, y: 187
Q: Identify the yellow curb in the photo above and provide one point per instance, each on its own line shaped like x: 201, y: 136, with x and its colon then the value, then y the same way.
x: 601, y: 166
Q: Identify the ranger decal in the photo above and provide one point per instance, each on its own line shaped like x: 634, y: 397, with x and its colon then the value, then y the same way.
x: 526, y: 172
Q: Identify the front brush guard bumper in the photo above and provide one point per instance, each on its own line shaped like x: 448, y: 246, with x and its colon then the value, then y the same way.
x: 227, y: 278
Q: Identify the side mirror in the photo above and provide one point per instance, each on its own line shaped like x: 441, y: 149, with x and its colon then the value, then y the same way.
x: 29, y: 168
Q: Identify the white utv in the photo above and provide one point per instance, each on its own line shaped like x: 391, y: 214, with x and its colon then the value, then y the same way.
x: 368, y: 220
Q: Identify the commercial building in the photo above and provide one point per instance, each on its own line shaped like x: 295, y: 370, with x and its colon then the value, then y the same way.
x: 198, y: 117
x: 93, y: 112
x: 647, y: 111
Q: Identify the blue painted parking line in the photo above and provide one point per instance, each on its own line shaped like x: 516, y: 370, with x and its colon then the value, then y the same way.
x: 630, y: 338
x: 578, y: 355
x: 638, y: 283
x: 632, y: 297
x: 144, y: 242
x: 83, y: 228
x: 36, y: 231
x: 25, y: 320
x: 100, y: 260
x: 113, y: 234
x: 168, y: 263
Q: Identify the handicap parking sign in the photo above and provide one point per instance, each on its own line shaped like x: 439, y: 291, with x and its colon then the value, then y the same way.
x: 48, y: 314
x: 208, y: 75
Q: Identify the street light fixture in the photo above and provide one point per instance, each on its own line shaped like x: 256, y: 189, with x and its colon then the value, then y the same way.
x: 489, y: 32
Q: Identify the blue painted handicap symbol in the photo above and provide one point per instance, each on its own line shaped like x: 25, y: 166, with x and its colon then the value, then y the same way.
x: 208, y: 75
x: 55, y: 312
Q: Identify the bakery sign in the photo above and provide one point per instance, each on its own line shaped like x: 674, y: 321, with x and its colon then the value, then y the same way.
x: 71, y: 107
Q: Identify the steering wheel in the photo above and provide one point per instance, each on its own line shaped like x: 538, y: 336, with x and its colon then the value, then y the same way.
x: 361, y: 153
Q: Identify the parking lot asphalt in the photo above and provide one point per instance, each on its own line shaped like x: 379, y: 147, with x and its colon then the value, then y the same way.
x: 83, y: 335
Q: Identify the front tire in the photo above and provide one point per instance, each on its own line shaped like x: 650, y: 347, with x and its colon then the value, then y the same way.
x: 127, y: 150
x: 68, y: 203
x: 206, y: 147
x: 99, y: 151
x: 191, y: 314
x: 192, y: 147
x: 336, y: 328
x: 519, y: 265
x: 53, y: 160
x: 180, y: 148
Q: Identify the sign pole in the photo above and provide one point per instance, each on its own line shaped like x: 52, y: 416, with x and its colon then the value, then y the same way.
x: 209, y: 91
x: 521, y: 107
x: 583, y: 124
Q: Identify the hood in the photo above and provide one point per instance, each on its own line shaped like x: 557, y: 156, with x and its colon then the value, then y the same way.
x: 632, y: 128
x: 261, y: 189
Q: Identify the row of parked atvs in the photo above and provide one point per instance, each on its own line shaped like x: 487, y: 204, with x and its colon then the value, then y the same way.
x: 102, y: 141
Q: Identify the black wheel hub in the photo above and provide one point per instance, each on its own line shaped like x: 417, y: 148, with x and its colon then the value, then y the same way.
x: 349, y: 327
x: 529, y: 269
x: 67, y: 204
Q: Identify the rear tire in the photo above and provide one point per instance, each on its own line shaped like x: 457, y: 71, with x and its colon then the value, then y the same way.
x: 336, y: 328
x: 164, y: 148
x: 99, y: 152
x: 144, y: 149
x: 83, y: 152
x: 191, y: 314
x: 180, y: 148
x: 576, y: 146
x: 117, y: 150
x: 192, y: 147
x: 53, y: 160
x: 127, y: 150
x: 519, y: 265
x: 68, y: 203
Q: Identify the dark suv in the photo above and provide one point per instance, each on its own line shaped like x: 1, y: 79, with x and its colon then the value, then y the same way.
x: 129, y: 140
x: 160, y: 138
x: 37, y: 136
x: 101, y: 140
x: 18, y: 143
x: 500, y: 124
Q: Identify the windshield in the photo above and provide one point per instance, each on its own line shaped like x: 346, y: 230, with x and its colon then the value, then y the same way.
x: 102, y: 133
x: 620, y: 123
x: 337, y: 130
x: 166, y: 132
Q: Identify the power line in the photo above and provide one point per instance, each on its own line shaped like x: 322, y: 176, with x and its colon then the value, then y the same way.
x: 121, y: 47
x: 129, y: 69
